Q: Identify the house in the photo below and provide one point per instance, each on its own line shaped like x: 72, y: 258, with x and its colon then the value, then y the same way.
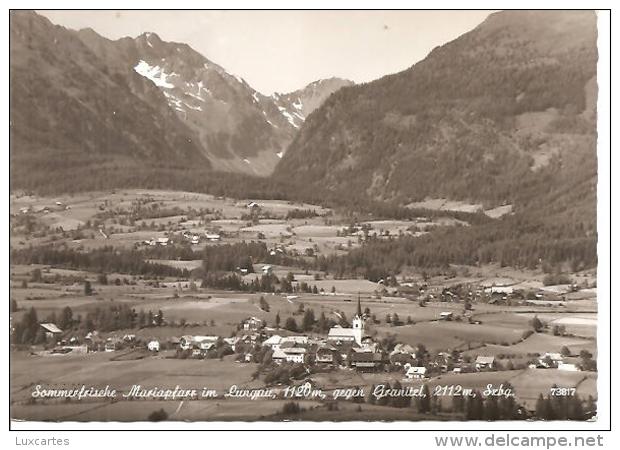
x: 446, y: 315
x: 213, y: 237
x: 112, y: 345
x: 195, y: 240
x: 232, y: 342
x: 295, y: 354
x: 163, y: 241
x: 51, y: 330
x: 291, y: 354
x: 273, y: 342
x: 326, y: 354
x: 197, y: 342
x: 485, y: 362
x: 568, y: 367
x: 267, y: 270
x: 550, y: 360
x: 500, y: 290
x: 367, y: 361
x: 253, y: 323
x: 401, y: 359
x: 416, y: 373
x: 403, y: 349
x: 252, y: 205
x: 278, y: 356
x: 248, y: 357
x: 297, y: 340
x: 153, y: 346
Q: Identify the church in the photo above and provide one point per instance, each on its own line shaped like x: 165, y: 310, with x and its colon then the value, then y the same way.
x: 355, y: 334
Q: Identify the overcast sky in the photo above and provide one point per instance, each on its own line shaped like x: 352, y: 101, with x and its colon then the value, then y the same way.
x: 281, y: 51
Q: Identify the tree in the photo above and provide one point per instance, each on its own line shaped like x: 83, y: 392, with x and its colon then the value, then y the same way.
x: 307, y: 322
x: 424, y: 403
x: 491, y: 409
x: 290, y: 324
x: 36, y: 276
x: 474, y: 406
x: 278, y: 319
x: 141, y: 319
x: 159, y: 318
x: 158, y: 415
x: 536, y: 324
x: 263, y: 304
x: 66, y: 318
x: 88, y: 290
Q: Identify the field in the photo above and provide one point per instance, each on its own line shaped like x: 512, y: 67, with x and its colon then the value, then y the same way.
x: 127, y: 219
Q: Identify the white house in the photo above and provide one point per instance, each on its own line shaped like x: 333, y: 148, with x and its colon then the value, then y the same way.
x: 290, y: 354
x: 297, y: 340
x: 212, y: 237
x: 273, y: 342
x: 446, y: 315
x: 416, y: 373
x: 163, y: 241
x: 51, y: 330
x: 568, y: 367
x: 484, y: 362
x: 253, y: 323
x: 153, y: 346
x: 550, y: 360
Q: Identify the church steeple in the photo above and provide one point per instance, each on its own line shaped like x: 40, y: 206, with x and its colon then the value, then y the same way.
x: 359, y: 306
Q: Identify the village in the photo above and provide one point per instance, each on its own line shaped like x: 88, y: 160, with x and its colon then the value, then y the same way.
x: 273, y: 319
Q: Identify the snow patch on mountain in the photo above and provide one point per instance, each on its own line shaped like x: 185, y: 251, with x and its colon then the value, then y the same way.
x: 154, y: 73
x: 288, y: 116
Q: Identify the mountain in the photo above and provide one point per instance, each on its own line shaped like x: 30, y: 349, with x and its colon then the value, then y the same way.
x: 298, y: 105
x: 504, y: 114
x: 70, y: 111
x: 81, y: 100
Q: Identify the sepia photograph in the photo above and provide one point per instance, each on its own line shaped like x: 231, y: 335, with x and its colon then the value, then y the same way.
x: 305, y: 216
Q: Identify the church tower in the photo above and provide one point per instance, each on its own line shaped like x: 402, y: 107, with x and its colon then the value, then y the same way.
x: 358, y: 322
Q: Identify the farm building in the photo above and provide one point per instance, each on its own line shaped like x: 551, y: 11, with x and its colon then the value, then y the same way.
x: 252, y: 323
x: 484, y: 362
x: 289, y: 354
x: 366, y: 361
x: 232, y: 342
x: 550, y: 360
x: 51, y: 330
x: 197, y: 342
x: 153, y: 346
x: 326, y: 354
x: 416, y: 373
x: 273, y: 342
x: 446, y: 315
x: 568, y: 367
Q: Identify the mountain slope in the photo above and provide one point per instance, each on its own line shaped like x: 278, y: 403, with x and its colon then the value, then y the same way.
x: 69, y: 111
x: 239, y: 129
x: 298, y: 105
x: 500, y: 115
x: 79, y: 99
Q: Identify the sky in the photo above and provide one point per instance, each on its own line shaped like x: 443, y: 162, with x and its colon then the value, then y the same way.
x: 281, y: 51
